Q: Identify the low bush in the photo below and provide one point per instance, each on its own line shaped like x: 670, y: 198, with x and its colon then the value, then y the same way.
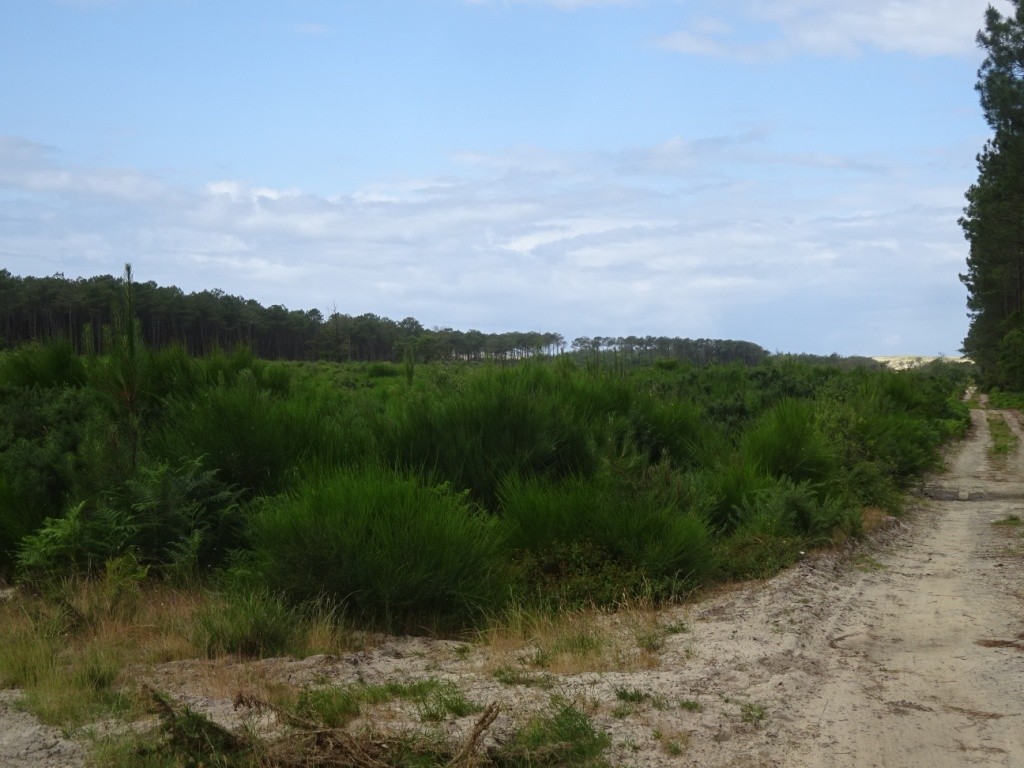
x: 798, y: 508
x: 785, y: 442
x: 673, y: 429
x: 728, y: 486
x: 387, y: 549
x: 185, y: 518
x: 41, y: 436
x: 636, y: 531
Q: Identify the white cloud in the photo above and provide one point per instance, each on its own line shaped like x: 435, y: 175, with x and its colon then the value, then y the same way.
x: 676, y: 239
x: 32, y: 166
x: 758, y: 30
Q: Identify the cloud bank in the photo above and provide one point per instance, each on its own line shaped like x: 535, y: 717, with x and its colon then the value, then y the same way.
x: 685, y: 238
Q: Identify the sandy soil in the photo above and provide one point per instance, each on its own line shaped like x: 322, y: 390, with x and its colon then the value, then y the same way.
x: 904, y: 651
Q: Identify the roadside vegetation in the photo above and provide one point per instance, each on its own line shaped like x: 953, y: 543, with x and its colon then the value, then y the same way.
x: 158, y: 506
x: 1004, y: 440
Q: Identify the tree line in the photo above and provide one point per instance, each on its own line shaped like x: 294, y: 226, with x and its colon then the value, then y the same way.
x: 35, y: 308
x: 993, y: 220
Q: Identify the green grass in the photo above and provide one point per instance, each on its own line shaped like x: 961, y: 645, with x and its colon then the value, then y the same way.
x: 563, y: 736
x: 254, y: 624
x: 336, y: 706
x: 509, y: 675
x: 631, y: 695
x: 1004, y: 440
x: 752, y: 712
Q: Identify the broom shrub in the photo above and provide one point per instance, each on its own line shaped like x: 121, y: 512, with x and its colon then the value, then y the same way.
x: 384, y: 547
x: 499, y: 423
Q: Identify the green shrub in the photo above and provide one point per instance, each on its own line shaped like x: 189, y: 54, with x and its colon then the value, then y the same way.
x: 43, y: 364
x: 254, y: 440
x: 384, y: 547
x: 502, y: 422
x: 220, y: 368
x: 774, y: 524
x: 785, y: 442
x: 172, y: 372
x: 383, y: 370
x: 41, y: 436
x: 799, y: 508
x: 636, y: 529
x: 582, y: 575
x: 759, y: 547
x: 675, y: 429
x: 903, y: 444
x: 730, y: 485
x: 184, y: 516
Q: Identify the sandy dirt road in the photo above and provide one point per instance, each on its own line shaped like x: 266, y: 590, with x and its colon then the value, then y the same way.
x: 904, y: 652
x: 927, y: 652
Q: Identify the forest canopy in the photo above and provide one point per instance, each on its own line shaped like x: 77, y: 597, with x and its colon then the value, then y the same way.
x: 42, y: 308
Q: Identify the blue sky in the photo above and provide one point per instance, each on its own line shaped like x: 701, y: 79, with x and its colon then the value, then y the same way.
x: 787, y: 172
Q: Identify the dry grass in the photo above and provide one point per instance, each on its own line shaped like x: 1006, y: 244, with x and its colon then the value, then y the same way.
x: 577, y: 642
x: 70, y: 649
x: 78, y: 650
x: 872, y: 518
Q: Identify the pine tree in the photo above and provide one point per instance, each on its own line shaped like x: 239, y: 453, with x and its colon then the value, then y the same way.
x: 993, y: 220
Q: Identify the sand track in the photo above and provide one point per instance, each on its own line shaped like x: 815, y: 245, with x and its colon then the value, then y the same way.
x: 906, y: 651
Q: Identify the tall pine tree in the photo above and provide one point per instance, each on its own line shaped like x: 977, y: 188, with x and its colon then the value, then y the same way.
x: 993, y: 219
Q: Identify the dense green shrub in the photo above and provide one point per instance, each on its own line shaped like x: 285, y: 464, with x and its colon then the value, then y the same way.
x: 785, y: 442
x: 255, y: 440
x: 500, y: 423
x: 384, y: 547
x: 567, y: 486
x: 674, y: 429
x: 637, y: 530
x: 184, y: 517
x: 46, y: 365
x: 41, y: 437
x: 798, y: 508
x: 383, y: 370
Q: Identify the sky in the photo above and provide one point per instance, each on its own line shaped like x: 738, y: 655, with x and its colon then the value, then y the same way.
x: 786, y: 172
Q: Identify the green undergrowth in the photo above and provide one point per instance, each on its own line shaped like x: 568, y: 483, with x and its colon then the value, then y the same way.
x: 998, y: 398
x: 431, y: 502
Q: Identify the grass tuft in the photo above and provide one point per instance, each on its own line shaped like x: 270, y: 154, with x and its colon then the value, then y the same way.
x: 564, y: 736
